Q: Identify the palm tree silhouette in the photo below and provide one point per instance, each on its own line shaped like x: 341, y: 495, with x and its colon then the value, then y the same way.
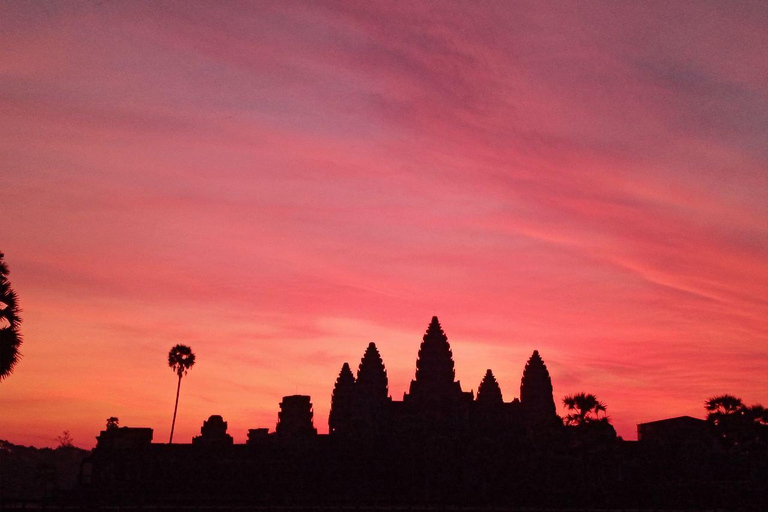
x: 180, y: 359
x: 584, y: 408
x: 723, y: 406
x: 739, y: 427
x: 10, y: 337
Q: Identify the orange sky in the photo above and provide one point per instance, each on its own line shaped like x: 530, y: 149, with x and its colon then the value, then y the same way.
x: 277, y: 184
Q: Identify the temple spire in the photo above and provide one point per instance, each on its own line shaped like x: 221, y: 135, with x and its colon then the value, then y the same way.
x: 342, y: 401
x: 536, y: 391
x: 435, y: 362
x: 489, y: 392
x: 372, y: 382
x: 434, y: 367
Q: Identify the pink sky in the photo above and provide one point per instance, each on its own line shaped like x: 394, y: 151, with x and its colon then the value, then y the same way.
x: 277, y: 184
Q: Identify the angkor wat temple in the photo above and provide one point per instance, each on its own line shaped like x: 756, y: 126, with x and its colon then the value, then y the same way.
x: 435, y: 405
x: 439, y: 445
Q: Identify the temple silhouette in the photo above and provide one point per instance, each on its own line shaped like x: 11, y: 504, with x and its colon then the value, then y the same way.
x: 435, y: 404
x: 440, y: 445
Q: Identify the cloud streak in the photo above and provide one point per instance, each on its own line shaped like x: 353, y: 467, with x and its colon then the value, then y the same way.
x: 278, y: 184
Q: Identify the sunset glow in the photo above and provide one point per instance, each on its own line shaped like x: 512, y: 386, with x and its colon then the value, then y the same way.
x: 277, y: 184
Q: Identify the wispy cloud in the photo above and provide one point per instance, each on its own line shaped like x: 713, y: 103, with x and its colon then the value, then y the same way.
x: 278, y: 184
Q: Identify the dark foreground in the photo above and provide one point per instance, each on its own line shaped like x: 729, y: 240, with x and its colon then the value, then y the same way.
x: 325, y: 508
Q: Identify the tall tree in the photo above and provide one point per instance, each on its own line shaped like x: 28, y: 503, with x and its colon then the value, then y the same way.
x: 180, y: 359
x: 10, y: 321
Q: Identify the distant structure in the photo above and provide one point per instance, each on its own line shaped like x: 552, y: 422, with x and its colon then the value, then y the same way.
x: 434, y: 413
x: 489, y: 392
x: 536, y: 393
x: 343, y: 402
x: 683, y: 430
x: 124, y: 438
x: 435, y: 401
x: 438, y: 445
x: 213, y: 433
x: 295, y: 417
x: 434, y: 386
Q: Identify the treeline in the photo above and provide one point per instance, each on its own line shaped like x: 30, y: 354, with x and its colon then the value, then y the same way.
x: 28, y: 473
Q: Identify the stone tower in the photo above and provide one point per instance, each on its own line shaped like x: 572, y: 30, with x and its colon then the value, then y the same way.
x: 372, y: 395
x: 489, y: 392
x: 295, y: 417
x: 536, y: 392
x: 213, y: 433
x: 372, y: 382
x: 434, y: 382
x: 342, y: 402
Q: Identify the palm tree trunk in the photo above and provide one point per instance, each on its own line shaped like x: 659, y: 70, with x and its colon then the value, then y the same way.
x: 175, y: 408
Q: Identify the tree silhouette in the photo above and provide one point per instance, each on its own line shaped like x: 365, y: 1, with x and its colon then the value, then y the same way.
x: 112, y: 423
x: 180, y: 359
x: 584, y: 409
x: 10, y: 337
x: 739, y: 427
x: 65, y: 440
x: 721, y: 407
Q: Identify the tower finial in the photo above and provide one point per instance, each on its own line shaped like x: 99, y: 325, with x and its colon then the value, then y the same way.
x: 372, y: 381
x: 489, y: 391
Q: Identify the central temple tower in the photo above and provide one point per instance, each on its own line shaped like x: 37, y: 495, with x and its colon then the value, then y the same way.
x: 536, y: 393
x: 435, y: 376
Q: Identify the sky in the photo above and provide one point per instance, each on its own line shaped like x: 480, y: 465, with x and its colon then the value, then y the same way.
x: 276, y: 184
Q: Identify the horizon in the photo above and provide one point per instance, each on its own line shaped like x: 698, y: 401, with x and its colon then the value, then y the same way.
x: 277, y: 185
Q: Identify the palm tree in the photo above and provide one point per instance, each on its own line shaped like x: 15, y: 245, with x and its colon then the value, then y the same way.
x: 720, y: 407
x: 10, y: 337
x: 180, y: 359
x: 738, y: 426
x: 584, y: 408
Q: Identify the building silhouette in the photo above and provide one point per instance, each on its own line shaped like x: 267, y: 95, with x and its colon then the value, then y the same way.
x: 435, y: 403
x: 440, y: 444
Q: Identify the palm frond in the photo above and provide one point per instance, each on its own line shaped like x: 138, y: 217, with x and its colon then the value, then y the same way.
x: 10, y: 341
x: 181, y: 359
